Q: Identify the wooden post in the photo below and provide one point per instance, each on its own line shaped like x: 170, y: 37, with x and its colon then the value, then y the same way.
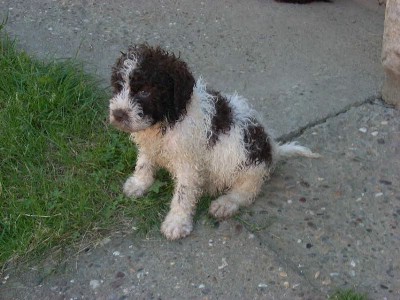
x: 391, y: 53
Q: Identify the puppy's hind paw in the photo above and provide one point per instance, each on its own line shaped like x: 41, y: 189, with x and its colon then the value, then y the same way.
x: 176, y: 226
x: 223, y: 208
x: 134, y: 187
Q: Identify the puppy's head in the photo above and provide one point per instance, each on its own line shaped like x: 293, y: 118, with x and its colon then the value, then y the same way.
x: 150, y: 86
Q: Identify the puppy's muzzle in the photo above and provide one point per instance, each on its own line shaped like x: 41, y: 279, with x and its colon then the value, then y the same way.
x: 120, y: 115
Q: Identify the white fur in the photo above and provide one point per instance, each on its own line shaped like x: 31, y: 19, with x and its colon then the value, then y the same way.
x: 198, y: 168
x: 293, y: 149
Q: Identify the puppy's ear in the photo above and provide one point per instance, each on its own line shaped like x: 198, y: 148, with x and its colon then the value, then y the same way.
x: 116, y: 76
x: 183, y: 85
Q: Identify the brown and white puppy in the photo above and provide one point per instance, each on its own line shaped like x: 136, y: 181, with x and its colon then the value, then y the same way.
x: 210, y: 142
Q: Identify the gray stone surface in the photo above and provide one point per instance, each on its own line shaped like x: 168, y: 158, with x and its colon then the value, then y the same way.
x: 318, y: 224
x: 337, y: 218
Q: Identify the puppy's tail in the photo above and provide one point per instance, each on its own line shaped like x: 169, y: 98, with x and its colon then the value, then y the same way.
x: 292, y: 149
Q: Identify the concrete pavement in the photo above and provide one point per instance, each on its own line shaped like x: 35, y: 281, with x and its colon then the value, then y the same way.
x: 314, y: 72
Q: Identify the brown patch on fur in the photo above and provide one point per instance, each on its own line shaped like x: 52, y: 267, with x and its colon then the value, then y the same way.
x: 165, y: 79
x: 222, y: 120
x: 170, y: 79
x: 257, y: 144
x: 116, y: 77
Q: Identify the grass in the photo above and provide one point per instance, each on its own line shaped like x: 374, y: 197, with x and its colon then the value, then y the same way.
x: 61, y: 166
x: 347, y: 295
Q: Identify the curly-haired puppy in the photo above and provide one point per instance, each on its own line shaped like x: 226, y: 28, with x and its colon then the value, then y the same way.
x: 210, y: 142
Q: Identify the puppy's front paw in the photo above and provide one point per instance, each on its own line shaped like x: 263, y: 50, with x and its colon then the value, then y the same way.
x: 134, y: 187
x: 223, y: 208
x: 176, y: 226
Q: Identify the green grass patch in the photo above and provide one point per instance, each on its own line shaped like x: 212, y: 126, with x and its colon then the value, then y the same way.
x: 347, y: 295
x: 61, y: 166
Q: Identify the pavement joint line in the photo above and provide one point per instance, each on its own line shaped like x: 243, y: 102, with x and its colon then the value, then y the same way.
x: 284, y: 138
x: 285, y: 261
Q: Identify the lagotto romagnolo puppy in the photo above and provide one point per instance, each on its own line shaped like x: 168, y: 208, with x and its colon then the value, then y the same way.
x: 211, y: 143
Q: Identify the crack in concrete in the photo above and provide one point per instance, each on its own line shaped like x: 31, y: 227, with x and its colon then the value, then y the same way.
x: 269, y: 243
x: 284, y: 138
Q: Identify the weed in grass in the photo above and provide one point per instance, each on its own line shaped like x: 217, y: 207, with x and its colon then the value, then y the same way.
x: 347, y: 295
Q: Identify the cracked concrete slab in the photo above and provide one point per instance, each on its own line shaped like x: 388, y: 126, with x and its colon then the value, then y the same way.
x: 336, y: 220
x: 214, y: 263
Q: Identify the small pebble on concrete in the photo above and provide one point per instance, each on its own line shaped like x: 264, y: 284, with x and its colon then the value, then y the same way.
x: 317, y: 274
x: 94, y: 284
x: 224, y: 264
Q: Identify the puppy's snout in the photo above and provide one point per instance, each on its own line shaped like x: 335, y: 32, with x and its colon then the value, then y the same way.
x: 120, y: 115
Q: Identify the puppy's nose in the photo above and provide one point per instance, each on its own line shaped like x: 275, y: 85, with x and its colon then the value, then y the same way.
x: 120, y: 115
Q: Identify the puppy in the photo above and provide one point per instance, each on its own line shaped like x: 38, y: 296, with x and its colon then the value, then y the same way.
x: 210, y: 142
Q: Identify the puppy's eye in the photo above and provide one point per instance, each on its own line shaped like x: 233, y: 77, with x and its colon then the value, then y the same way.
x: 140, y: 114
x: 143, y: 94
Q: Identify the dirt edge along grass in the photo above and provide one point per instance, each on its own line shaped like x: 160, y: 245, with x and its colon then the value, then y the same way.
x: 61, y: 165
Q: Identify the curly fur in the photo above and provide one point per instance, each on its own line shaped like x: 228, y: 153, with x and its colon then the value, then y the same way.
x: 210, y: 142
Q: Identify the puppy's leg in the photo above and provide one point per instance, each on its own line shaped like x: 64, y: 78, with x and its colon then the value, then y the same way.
x: 142, y: 178
x: 243, y: 192
x: 178, y: 222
